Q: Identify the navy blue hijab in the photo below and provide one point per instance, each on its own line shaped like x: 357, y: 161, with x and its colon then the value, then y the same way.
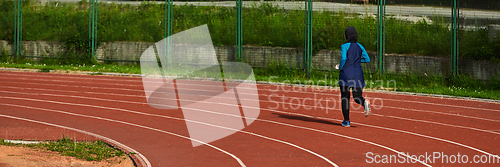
x: 351, y: 35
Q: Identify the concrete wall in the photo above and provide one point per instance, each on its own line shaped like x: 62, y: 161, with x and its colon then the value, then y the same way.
x: 260, y: 56
x: 493, y: 30
x: 35, y: 48
x: 122, y: 50
x: 480, y: 69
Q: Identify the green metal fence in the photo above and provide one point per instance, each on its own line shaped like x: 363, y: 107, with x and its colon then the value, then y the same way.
x: 379, y: 23
x: 381, y: 36
x: 92, y: 27
x: 454, y: 37
x: 308, y: 35
x: 239, y: 30
x: 18, y: 30
x: 477, y: 37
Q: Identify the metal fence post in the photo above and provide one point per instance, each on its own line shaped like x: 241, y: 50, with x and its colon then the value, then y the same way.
x: 239, y: 30
x: 168, y: 30
x: 92, y: 27
x: 454, y: 37
x: 381, y: 36
x: 18, y: 28
x: 308, y: 36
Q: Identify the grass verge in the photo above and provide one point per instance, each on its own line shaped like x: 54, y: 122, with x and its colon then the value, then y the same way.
x: 90, y: 151
x: 463, y: 86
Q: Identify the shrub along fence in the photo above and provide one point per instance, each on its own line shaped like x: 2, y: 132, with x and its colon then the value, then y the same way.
x: 83, y: 27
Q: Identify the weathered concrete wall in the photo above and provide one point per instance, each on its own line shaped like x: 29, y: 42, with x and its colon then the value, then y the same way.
x: 35, y: 48
x: 260, y: 56
x: 493, y: 30
x: 5, y: 47
x: 416, y: 64
x: 480, y: 69
x: 43, y: 48
x: 122, y: 50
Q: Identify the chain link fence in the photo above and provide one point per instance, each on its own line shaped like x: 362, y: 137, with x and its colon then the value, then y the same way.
x: 273, y: 35
x: 267, y: 34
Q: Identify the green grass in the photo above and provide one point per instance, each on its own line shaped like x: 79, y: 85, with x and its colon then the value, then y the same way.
x: 264, y: 25
x: 102, y: 68
x: 490, y: 5
x: 462, y: 86
x: 432, y: 84
x: 90, y: 151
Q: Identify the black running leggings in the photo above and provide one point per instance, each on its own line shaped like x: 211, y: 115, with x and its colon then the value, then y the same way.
x: 345, y: 94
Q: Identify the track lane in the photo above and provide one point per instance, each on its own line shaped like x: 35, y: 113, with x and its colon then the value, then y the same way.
x: 465, y: 110
x: 148, y: 141
x: 467, y: 114
x: 324, y: 105
x: 306, y: 141
x: 137, y: 82
x: 337, y: 93
x: 139, y: 159
x: 178, y: 126
x: 128, y: 99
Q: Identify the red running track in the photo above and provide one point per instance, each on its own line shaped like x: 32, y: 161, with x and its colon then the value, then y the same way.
x: 297, y: 130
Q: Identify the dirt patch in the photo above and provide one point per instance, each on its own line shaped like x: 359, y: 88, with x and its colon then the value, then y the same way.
x: 11, y: 156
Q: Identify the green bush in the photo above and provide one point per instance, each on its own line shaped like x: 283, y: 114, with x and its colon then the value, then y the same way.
x: 263, y: 25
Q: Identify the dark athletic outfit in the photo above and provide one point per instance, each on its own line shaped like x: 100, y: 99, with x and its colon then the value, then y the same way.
x: 351, y: 73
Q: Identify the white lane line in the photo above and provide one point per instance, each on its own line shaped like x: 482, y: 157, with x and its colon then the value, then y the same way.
x: 72, y: 91
x: 68, y: 81
x: 449, y: 114
x: 127, y: 123
x: 430, y: 137
x: 339, y: 120
x: 436, y: 112
x: 396, y: 130
x: 76, y: 86
x: 411, y: 101
x: 142, y: 103
x: 136, y: 112
x: 143, y: 160
x: 411, y: 133
x: 408, y: 109
x: 379, y: 127
x: 438, y: 123
x: 387, y: 106
x: 374, y: 126
x: 81, y: 77
x: 395, y: 117
x: 397, y: 100
x: 303, y: 105
x: 336, y: 95
x: 90, y: 83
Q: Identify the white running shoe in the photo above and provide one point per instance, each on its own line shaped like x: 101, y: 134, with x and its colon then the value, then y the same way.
x: 367, y: 108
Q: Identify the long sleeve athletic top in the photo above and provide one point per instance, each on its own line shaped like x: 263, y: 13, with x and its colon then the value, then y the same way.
x: 351, y: 72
